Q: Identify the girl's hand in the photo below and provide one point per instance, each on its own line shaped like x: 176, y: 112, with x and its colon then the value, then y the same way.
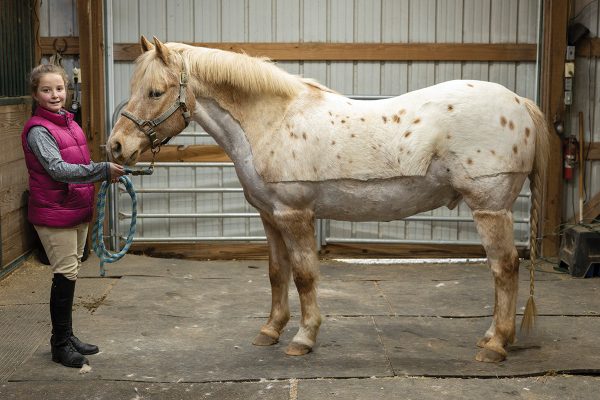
x: 116, y: 171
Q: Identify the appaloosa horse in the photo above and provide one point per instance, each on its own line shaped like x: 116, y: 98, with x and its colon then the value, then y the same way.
x: 302, y: 151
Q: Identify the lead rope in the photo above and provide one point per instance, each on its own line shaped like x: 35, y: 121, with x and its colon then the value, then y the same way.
x: 103, y: 254
x: 98, y: 246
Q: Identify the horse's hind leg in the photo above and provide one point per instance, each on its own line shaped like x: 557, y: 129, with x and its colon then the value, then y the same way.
x: 298, y: 232
x: 279, y: 275
x: 496, y: 231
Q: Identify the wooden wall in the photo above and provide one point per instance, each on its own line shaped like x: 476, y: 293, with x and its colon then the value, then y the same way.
x: 16, y: 232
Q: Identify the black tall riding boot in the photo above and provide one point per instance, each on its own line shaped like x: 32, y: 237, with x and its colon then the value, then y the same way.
x: 83, y: 348
x: 61, y: 304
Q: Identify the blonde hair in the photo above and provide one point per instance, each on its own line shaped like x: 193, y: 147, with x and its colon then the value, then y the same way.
x: 43, y: 69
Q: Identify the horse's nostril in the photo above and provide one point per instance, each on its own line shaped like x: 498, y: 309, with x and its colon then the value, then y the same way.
x: 116, y: 149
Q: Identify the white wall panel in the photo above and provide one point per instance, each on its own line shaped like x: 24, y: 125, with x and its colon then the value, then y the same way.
x: 287, y: 21
x: 207, y: 20
x: 476, y: 25
x: 180, y: 21
x: 126, y: 18
x: 234, y: 25
x: 260, y: 21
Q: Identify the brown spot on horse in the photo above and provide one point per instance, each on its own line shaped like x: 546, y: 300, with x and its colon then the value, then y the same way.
x: 407, y: 134
x: 417, y: 120
x: 396, y: 119
x: 527, y: 132
x: 511, y: 125
x: 503, y: 120
x: 450, y: 107
x: 384, y: 118
x: 515, y: 149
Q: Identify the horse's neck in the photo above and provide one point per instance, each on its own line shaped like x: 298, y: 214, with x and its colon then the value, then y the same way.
x: 231, y: 124
x: 229, y: 134
x: 219, y: 124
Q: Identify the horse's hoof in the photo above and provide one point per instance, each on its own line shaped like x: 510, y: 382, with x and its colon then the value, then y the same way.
x: 297, y: 349
x: 482, y: 342
x: 264, y: 340
x: 488, y: 355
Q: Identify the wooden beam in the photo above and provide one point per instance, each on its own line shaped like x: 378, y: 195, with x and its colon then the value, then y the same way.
x: 552, y: 87
x: 591, y: 210
x: 405, y: 250
x: 592, y: 151
x: 589, y: 47
x: 259, y: 251
x: 66, y: 45
x: 203, y: 251
x: 509, y: 52
x: 188, y: 153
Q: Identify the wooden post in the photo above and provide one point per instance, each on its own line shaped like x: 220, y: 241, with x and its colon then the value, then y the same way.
x: 91, y: 50
x: 580, y: 172
x: 37, y: 51
x: 91, y: 60
x: 552, y: 90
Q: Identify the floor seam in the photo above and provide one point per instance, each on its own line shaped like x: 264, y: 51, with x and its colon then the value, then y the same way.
x: 385, y: 352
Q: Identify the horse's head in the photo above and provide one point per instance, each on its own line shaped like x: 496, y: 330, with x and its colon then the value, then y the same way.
x: 159, y: 107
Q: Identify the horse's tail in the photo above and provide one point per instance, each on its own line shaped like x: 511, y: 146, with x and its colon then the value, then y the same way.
x: 536, y: 184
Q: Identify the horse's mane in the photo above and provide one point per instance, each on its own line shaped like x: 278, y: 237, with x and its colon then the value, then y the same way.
x: 249, y: 74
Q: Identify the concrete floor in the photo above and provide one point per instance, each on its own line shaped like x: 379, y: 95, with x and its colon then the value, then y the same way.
x: 178, y: 329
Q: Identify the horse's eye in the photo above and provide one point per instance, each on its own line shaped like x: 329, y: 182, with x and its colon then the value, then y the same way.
x: 155, y: 94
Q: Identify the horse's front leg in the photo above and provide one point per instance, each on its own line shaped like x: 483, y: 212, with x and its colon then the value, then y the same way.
x: 298, y: 233
x: 279, y: 275
x: 496, y: 231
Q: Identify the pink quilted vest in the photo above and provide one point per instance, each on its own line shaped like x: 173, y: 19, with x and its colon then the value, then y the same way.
x: 52, y: 203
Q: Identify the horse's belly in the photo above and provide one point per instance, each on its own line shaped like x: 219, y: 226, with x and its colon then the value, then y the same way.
x: 382, y: 200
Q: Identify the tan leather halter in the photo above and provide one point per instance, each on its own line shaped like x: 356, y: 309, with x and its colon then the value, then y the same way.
x: 147, y: 126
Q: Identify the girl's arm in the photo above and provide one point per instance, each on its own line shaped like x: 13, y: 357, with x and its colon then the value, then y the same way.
x: 45, y: 148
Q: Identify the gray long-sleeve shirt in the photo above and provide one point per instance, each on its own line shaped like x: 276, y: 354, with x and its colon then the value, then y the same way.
x: 45, y: 148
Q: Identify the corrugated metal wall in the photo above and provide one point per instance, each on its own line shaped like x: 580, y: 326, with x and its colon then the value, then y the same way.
x: 585, y: 99
x: 59, y: 18
x: 377, y: 21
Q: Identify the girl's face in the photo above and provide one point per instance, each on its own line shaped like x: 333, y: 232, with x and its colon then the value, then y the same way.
x: 51, y: 93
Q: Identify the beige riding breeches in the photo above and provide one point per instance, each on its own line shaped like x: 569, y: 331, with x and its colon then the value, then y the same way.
x: 64, y: 247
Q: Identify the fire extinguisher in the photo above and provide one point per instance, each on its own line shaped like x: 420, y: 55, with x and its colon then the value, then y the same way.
x: 570, y: 147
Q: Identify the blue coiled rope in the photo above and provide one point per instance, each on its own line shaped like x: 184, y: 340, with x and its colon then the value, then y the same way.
x: 104, y: 255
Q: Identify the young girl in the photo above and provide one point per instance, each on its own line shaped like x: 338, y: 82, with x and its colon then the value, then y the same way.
x: 61, y: 200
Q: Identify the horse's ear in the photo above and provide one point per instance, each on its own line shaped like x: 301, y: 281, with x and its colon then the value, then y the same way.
x: 162, y: 50
x: 146, y: 45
